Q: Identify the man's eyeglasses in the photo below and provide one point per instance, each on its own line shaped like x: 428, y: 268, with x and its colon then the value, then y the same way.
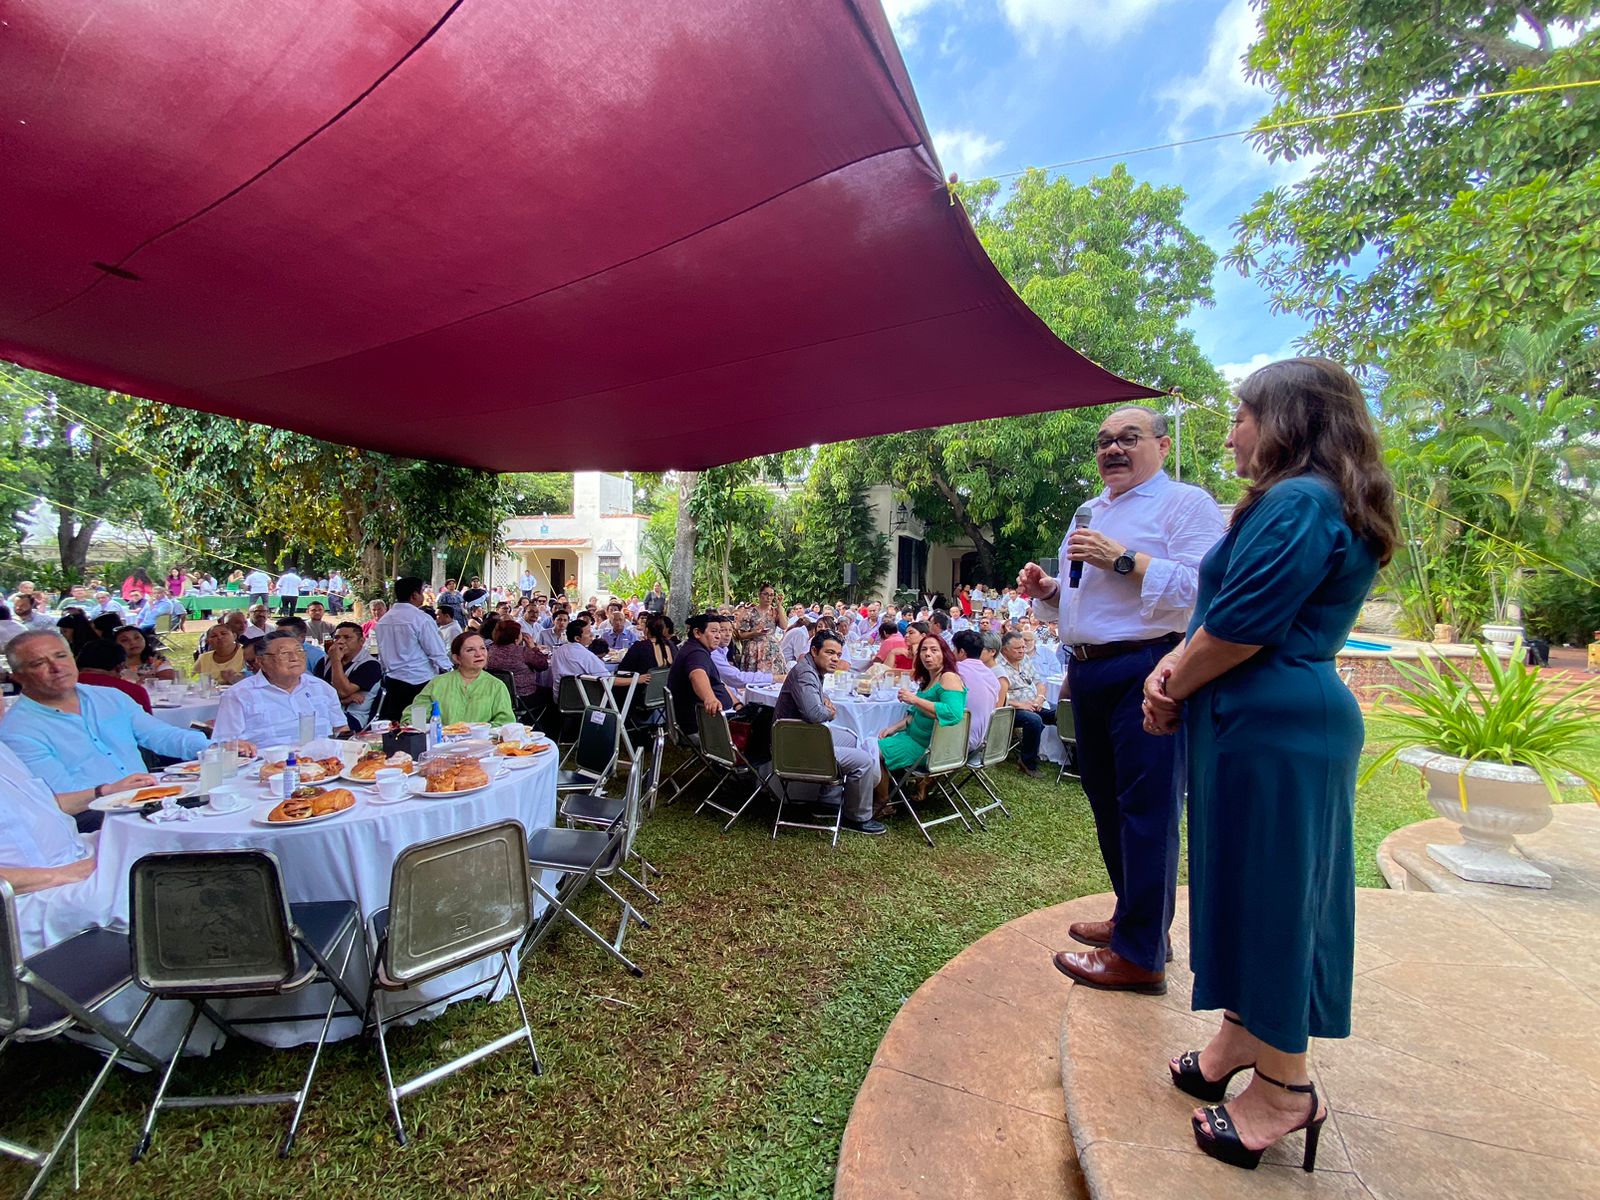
x: 1128, y: 441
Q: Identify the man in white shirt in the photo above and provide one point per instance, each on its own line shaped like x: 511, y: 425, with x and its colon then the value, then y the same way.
x: 731, y: 675
x: 526, y: 583
x: 257, y: 626
x: 27, y: 610
x: 573, y: 656
x: 338, y: 589
x: 1141, y: 555
x: 266, y: 707
x: 409, y: 648
x: 449, y: 627
x: 288, y: 593
x: 257, y: 584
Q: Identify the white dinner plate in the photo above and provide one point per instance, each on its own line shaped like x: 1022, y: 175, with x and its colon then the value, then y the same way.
x: 521, y: 764
x: 261, y: 819
x: 426, y: 795
x: 123, y: 801
x: 345, y: 774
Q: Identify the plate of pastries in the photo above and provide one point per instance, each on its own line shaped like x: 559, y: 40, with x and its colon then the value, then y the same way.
x: 312, y: 770
x: 452, y: 776
x: 307, y: 805
x: 365, y: 769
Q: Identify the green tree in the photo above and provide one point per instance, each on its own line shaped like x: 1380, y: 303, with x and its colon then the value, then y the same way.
x: 68, y: 444
x: 1492, y: 454
x: 261, y: 494
x: 530, y: 493
x: 1110, y: 266
x: 1431, y: 225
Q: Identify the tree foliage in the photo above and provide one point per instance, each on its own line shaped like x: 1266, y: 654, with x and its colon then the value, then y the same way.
x: 1493, y: 454
x: 68, y: 443
x: 1112, y: 269
x: 1432, y: 225
x: 264, y: 495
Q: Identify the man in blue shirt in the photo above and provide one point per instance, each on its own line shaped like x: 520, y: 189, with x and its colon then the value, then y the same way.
x: 161, y: 605
x: 76, y: 737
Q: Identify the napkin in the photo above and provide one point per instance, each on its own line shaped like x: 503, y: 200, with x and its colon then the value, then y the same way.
x: 171, y: 810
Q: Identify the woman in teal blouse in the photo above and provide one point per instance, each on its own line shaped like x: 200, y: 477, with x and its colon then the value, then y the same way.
x: 942, y: 698
x: 469, y: 693
x: 1274, y: 740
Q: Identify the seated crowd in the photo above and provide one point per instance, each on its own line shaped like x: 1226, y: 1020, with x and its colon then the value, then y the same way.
x: 82, y: 726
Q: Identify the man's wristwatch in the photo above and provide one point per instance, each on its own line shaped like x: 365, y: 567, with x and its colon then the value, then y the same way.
x: 1123, y: 564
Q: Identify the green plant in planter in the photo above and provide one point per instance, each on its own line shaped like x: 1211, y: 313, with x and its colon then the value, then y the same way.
x: 1513, y: 720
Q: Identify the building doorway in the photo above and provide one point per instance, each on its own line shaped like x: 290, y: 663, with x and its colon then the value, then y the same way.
x: 558, y: 575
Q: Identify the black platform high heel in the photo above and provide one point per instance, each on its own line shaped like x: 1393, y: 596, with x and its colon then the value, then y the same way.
x: 1188, y: 1077
x: 1223, y: 1142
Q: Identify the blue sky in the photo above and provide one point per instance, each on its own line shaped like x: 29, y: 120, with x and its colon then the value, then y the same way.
x: 1007, y: 84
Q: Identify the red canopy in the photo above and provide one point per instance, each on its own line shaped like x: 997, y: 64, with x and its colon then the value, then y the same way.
x: 515, y: 234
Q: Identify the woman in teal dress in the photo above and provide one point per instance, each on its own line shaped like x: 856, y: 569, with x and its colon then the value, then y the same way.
x: 1274, y: 738
x: 942, y: 697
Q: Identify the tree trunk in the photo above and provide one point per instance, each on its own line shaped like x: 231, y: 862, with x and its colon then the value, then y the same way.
x: 681, y: 587
x: 74, y: 544
x: 372, y: 569
x: 439, y: 546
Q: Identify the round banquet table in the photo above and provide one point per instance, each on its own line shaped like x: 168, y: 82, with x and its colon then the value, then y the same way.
x: 866, y: 717
x: 348, y: 857
x: 188, y: 709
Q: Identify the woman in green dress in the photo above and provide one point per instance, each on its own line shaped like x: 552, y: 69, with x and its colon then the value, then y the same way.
x: 1274, y: 737
x: 942, y: 697
x: 469, y: 694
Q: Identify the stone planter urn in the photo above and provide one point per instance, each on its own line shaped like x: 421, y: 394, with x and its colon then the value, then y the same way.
x: 1502, y: 637
x: 1444, y: 635
x: 1502, y: 802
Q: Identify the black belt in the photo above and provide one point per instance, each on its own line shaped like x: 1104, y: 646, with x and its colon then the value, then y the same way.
x: 1090, y: 651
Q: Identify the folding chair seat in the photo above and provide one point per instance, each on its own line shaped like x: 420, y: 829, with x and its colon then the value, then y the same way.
x: 58, y: 989
x: 453, y: 901
x: 1067, y: 731
x: 994, y: 750
x: 216, y: 925
x: 947, y: 754
x: 586, y: 856
x: 803, y: 753
x: 594, y: 755
x: 721, y: 755
x: 589, y: 811
x: 652, y: 715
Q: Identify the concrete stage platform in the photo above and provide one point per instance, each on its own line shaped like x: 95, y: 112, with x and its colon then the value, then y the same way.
x: 1474, y: 1070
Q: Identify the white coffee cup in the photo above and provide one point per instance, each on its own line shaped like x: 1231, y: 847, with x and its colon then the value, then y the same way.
x: 350, y: 751
x: 513, y: 732
x: 231, y: 797
x: 393, y: 783
x: 480, y: 729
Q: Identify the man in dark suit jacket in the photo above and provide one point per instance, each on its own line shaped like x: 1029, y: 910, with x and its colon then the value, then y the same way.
x: 802, y: 699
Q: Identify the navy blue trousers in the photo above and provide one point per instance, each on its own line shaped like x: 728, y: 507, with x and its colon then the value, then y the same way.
x: 1135, y: 785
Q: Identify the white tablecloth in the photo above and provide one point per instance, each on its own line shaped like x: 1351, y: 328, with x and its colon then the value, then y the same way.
x: 188, y: 710
x: 345, y: 858
x: 1050, y: 747
x: 866, y: 718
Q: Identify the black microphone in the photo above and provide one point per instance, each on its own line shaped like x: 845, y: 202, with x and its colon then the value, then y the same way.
x: 1080, y: 520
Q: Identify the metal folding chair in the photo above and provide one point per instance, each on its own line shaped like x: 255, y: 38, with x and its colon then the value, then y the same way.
x: 594, y: 754
x: 570, y: 705
x: 652, y: 713
x: 586, y: 856
x: 719, y: 753
x: 216, y: 925
x: 996, y: 746
x: 693, y: 760
x: 1067, y: 731
x: 947, y: 754
x: 453, y: 901
x: 58, y: 989
x: 803, y: 753
x: 600, y: 691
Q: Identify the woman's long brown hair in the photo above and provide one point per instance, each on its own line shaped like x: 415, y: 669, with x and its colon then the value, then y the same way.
x: 1312, y: 419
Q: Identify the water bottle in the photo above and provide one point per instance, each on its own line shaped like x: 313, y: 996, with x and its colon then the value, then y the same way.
x: 435, y: 727
x: 291, y: 775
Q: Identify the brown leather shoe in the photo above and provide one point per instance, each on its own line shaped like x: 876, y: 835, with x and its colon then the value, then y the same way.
x: 1091, y: 933
x: 1098, y: 934
x: 1108, y: 970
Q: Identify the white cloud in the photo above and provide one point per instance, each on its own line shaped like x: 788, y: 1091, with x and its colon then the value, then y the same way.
x: 965, y: 151
x: 1235, y: 372
x: 903, y: 16
x: 1098, y: 21
x: 1220, y: 86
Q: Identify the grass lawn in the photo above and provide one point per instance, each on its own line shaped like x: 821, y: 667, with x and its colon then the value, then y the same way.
x: 772, y: 972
